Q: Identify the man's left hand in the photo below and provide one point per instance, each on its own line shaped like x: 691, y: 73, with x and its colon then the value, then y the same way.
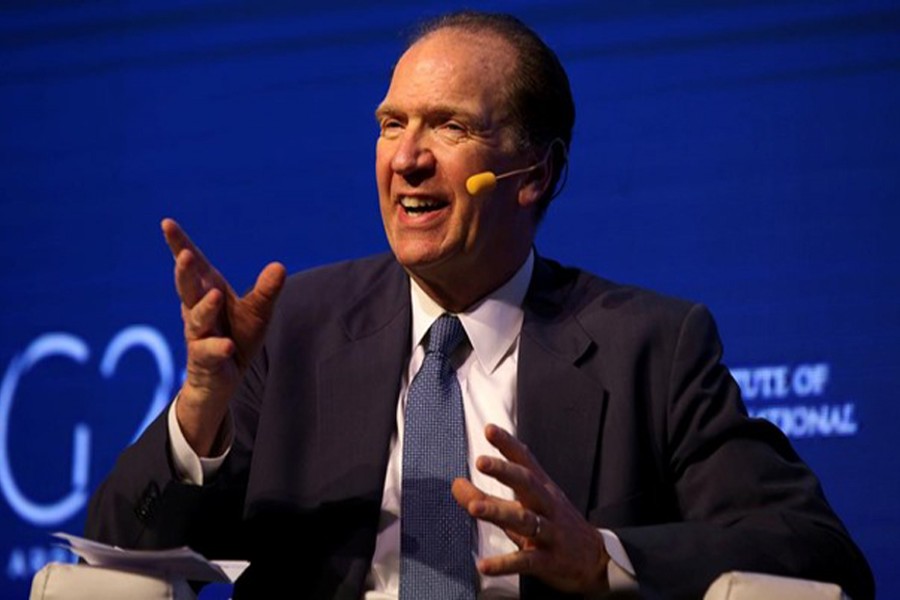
x: 556, y: 543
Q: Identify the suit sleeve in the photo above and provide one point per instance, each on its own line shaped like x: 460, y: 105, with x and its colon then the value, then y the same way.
x: 143, y: 504
x: 746, y: 499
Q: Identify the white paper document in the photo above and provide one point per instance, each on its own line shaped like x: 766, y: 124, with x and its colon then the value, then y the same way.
x: 178, y: 563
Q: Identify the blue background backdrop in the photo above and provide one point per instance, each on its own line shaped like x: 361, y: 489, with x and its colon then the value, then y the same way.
x: 744, y: 154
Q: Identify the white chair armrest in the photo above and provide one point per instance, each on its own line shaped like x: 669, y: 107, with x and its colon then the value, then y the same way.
x: 737, y: 585
x: 63, y: 581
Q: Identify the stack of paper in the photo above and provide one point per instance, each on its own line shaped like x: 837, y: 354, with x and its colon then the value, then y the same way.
x: 176, y: 563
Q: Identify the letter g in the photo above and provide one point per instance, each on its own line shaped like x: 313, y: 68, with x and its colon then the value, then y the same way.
x: 49, y: 344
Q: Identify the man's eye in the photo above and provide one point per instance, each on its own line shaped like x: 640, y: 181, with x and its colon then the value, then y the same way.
x: 453, y: 129
x: 391, y: 127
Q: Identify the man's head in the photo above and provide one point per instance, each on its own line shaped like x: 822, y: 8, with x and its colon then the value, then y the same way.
x: 461, y: 102
x: 537, y: 90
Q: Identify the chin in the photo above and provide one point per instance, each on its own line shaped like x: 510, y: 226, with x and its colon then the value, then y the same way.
x: 421, y: 261
x: 415, y: 262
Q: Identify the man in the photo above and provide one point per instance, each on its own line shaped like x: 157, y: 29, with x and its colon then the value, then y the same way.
x: 598, y: 419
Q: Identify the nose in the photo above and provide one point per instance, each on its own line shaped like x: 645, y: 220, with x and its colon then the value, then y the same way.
x: 412, y: 155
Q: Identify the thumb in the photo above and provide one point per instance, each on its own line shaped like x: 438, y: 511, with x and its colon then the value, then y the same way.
x: 265, y: 292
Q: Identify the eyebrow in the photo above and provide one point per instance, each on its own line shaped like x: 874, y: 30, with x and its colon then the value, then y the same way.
x: 384, y: 110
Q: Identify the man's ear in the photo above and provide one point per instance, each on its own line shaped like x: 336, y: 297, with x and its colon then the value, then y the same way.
x: 536, y: 182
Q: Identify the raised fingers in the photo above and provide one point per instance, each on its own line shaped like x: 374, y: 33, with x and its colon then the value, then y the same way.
x: 192, y: 278
x: 465, y: 492
x: 194, y: 275
x: 556, y: 543
x: 510, y: 447
x: 529, y: 489
x: 517, y: 521
x: 523, y: 562
x: 177, y: 239
x: 204, y: 318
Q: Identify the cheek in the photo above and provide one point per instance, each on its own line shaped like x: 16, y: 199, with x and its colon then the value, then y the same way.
x: 382, y: 163
x: 470, y: 220
x: 487, y: 220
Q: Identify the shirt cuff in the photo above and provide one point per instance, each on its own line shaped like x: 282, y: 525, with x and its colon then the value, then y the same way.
x: 619, y: 570
x: 190, y: 467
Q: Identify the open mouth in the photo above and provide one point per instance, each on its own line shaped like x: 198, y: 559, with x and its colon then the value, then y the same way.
x: 420, y: 206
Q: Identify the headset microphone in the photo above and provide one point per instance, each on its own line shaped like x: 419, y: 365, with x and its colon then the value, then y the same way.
x: 486, y: 181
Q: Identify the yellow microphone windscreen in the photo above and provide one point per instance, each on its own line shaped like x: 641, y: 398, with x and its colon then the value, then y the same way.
x: 480, y: 183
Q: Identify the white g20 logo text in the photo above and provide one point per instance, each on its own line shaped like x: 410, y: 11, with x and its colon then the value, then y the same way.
x: 74, y: 348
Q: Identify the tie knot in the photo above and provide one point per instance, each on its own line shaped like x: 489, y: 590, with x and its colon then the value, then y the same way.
x: 445, y: 335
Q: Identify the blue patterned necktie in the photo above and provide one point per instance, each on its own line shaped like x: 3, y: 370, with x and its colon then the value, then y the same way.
x: 436, y: 534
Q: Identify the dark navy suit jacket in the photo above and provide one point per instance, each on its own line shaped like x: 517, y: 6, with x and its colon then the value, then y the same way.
x: 621, y: 397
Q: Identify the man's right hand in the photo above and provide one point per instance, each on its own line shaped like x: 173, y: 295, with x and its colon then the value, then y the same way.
x: 222, y: 332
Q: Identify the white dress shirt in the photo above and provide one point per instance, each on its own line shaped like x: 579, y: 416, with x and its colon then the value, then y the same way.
x: 486, y: 367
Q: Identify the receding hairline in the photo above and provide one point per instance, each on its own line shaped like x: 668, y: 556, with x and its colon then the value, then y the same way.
x: 509, y: 52
x: 484, y: 34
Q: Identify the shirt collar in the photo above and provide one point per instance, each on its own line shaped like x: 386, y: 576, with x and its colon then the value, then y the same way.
x: 492, y: 324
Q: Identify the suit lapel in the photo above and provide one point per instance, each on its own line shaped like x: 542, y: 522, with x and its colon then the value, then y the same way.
x: 560, y: 409
x: 360, y: 384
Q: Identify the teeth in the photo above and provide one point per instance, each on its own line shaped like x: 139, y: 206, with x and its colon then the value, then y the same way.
x: 420, y: 205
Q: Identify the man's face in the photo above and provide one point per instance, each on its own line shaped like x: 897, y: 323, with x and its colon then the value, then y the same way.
x: 445, y: 117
